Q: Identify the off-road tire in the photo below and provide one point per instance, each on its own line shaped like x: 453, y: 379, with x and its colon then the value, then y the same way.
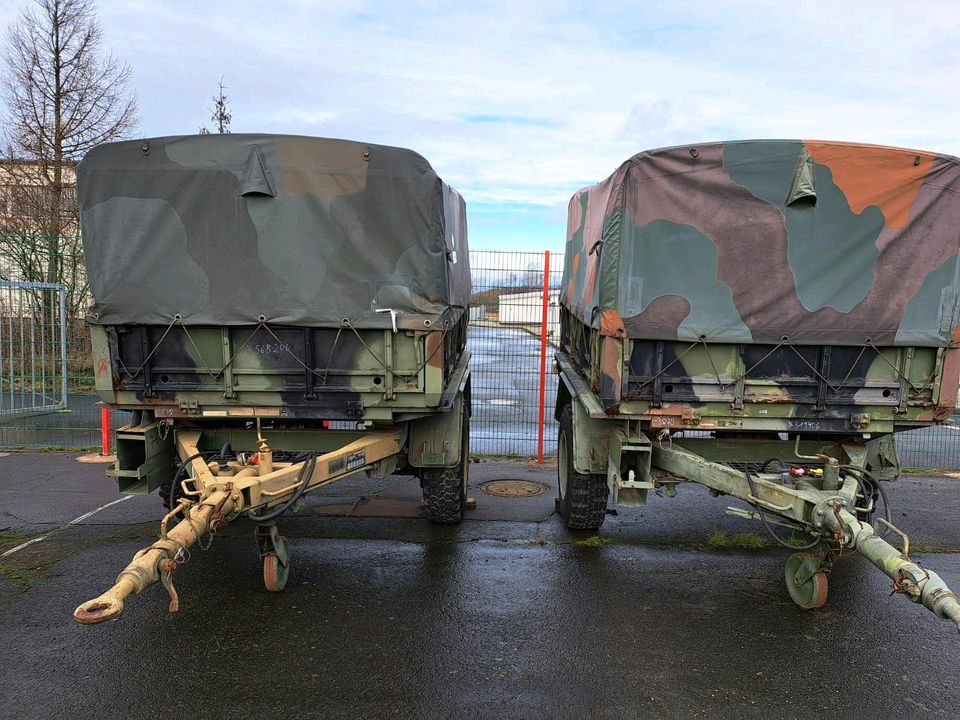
x: 583, y: 505
x: 445, y: 489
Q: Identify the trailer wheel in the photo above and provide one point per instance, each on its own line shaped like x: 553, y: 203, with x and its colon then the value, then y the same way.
x: 445, y: 489
x: 275, y: 573
x: 583, y: 496
x: 806, y: 589
x: 276, y: 557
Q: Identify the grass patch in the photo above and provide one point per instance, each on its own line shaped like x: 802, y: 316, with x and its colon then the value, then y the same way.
x: 929, y: 472
x: 13, y: 574
x: 796, y: 541
x: 739, y: 541
x: 593, y: 541
x: 924, y: 548
x: 498, y: 456
x: 11, y: 536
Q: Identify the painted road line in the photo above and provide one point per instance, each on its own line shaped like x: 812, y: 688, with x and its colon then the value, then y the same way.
x: 76, y: 520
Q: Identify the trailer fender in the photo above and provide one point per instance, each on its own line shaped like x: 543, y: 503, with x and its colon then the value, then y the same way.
x: 435, y: 440
x: 591, y: 435
x: 591, y: 440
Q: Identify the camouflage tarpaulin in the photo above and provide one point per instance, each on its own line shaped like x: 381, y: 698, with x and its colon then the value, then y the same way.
x: 753, y: 241
x: 223, y: 229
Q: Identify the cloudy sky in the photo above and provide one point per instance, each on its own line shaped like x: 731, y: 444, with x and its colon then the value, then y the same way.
x: 518, y: 104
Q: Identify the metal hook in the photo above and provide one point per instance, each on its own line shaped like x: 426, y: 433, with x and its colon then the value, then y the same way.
x: 393, y: 316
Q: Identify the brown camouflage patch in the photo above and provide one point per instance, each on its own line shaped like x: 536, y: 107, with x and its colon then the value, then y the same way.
x: 886, y: 177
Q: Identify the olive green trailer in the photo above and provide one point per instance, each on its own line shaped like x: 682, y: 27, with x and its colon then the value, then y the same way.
x: 760, y: 317
x: 277, y: 313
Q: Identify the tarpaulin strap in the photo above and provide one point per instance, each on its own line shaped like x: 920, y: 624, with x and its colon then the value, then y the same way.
x: 216, y: 376
x: 426, y: 360
x: 384, y: 365
x: 300, y: 362
x: 261, y: 324
x: 333, y: 349
x: 176, y: 319
x: 677, y: 359
x: 754, y: 366
x: 814, y: 369
x: 853, y: 367
x: 837, y: 388
x: 785, y: 342
x: 782, y: 343
x: 706, y: 349
x: 366, y: 347
x: 895, y: 368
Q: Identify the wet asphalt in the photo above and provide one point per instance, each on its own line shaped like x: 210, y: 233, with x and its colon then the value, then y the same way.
x: 504, y: 616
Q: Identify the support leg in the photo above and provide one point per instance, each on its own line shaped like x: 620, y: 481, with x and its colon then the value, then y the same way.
x: 806, y: 577
x: 276, y: 556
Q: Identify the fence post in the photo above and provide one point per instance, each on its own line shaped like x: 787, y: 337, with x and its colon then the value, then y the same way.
x: 105, y: 430
x: 543, y: 354
x: 63, y: 345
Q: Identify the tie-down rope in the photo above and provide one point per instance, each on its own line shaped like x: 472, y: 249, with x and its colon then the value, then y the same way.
x: 784, y: 342
x: 262, y: 324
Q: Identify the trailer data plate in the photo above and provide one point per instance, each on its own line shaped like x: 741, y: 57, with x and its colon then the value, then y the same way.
x: 350, y: 462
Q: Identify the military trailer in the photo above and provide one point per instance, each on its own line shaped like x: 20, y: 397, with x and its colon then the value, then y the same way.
x: 760, y: 317
x: 277, y: 313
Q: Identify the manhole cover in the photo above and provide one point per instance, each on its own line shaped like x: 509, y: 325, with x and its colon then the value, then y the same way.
x: 513, y: 488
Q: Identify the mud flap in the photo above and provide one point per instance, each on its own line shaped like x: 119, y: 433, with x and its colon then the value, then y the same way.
x: 883, y: 459
x: 435, y: 441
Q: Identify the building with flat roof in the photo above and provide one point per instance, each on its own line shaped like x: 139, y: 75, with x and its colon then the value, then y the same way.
x: 526, y: 308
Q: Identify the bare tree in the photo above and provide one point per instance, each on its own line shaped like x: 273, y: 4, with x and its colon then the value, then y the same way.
x: 221, y: 112
x: 62, y: 95
x: 533, y: 275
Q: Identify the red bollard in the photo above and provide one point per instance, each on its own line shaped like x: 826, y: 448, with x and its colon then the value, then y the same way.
x: 105, y: 430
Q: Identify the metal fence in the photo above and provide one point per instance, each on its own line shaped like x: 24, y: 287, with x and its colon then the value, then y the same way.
x: 505, y: 342
x: 933, y: 447
x: 54, y: 403
x: 47, y: 375
x: 45, y: 364
x: 33, y: 348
